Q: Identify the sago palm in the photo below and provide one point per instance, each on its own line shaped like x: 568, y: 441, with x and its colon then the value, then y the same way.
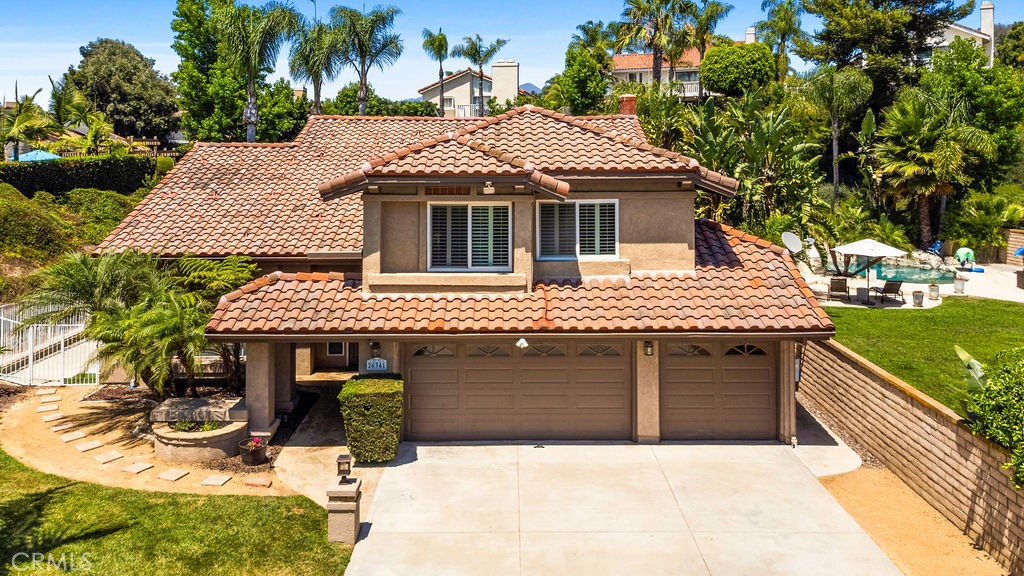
x: 369, y: 41
x: 252, y: 39
x: 316, y: 55
x: 479, y: 53
x: 436, y: 47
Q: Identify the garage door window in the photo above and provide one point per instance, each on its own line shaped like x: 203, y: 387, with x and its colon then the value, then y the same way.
x: 745, y: 350
x: 434, y: 351
x: 688, y: 350
x: 490, y: 352
x: 543, y: 350
x: 600, y: 350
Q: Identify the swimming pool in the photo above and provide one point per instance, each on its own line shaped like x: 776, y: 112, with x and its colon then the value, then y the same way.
x: 913, y: 274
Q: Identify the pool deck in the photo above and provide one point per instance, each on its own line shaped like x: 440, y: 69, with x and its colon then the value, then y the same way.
x: 998, y: 282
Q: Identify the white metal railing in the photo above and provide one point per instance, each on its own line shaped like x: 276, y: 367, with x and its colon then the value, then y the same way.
x: 468, y: 110
x: 45, y: 354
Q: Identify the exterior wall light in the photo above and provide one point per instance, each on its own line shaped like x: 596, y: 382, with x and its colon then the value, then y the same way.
x: 648, y: 348
x: 375, y: 348
x: 488, y: 188
x: 522, y: 343
x: 344, y: 466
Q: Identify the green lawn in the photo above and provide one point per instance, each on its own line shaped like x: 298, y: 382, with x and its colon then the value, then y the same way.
x: 129, y: 532
x: 917, y: 345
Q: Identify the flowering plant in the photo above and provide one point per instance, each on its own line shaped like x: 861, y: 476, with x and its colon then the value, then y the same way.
x: 254, y: 443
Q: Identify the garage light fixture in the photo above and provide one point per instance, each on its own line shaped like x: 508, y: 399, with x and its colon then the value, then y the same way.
x: 375, y: 348
x: 648, y: 348
x: 522, y: 343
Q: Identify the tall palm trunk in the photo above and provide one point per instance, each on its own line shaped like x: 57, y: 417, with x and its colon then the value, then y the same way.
x: 362, y: 95
x: 480, y: 107
x: 250, y: 114
x: 835, y: 162
x: 440, y: 79
x: 316, y: 109
x: 924, y: 213
x: 700, y: 79
x: 190, y: 378
x: 656, y: 56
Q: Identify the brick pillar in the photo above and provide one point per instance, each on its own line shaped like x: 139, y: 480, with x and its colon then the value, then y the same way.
x: 284, y: 378
x: 648, y: 390
x: 260, y: 388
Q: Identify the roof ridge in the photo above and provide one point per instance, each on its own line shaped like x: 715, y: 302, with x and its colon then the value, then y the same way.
x: 291, y: 144
x: 469, y: 69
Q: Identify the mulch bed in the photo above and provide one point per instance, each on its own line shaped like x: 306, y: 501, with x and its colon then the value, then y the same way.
x: 122, y: 393
x: 869, y: 460
x: 9, y: 394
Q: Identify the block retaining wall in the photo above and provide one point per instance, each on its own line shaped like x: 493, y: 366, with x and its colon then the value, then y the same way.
x: 924, y: 444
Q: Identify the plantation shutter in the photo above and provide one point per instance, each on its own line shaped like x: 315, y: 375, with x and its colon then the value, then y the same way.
x: 557, y: 229
x: 597, y: 229
x: 490, y: 236
x: 449, y: 231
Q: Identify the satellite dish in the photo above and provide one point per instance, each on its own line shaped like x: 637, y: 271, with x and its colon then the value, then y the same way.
x: 792, y: 242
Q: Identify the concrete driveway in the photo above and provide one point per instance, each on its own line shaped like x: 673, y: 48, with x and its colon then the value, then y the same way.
x: 599, y: 509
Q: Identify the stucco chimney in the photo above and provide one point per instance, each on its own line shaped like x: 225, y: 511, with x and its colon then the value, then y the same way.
x: 505, y: 80
x: 627, y: 104
x: 751, y: 36
x: 988, y: 27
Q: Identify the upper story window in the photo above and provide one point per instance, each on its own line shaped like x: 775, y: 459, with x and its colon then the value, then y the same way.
x: 636, y: 77
x: 470, y: 237
x: 449, y: 102
x: 687, y: 76
x: 578, y: 230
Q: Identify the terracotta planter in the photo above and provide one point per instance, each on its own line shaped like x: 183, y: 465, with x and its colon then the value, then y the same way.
x: 252, y: 456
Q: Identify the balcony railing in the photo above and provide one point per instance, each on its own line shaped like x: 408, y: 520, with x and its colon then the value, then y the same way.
x: 468, y: 110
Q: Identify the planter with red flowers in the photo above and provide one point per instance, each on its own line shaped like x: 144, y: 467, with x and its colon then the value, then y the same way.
x: 253, y: 451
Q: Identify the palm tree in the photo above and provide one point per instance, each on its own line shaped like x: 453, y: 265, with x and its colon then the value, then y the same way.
x: 781, y: 29
x: 925, y: 146
x: 649, y: 24
x: 838, y: 93
x: 25, y: 123
x: 597, y: 38
x: 368, y: 41
x: 316, y: 55
x: 478, y: 53
x: 706, y: 18
x: 253, y: 38
x: 680, y: 40
x: 174, y: 327
x: 436, y: 46
x: 68, y: 105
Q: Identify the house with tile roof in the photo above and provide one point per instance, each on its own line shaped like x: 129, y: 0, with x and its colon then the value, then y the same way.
x: 531, y: 275
x: 462, y: 88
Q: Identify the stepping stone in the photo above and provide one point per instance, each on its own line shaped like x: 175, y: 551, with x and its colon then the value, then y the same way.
x: 108, y: 456
x: 46, y: 391
x: 216, y: 480
x: 48, y: 408
x: 72, y: 436
x: 258, y: 481
x: 91, y: 445
x: 63, y: 426
x: 173, y: 475
x: 49, y: 399
x: 137, y: 468
x: 52, y: 417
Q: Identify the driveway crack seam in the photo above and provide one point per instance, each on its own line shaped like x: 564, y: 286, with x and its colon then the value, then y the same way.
x: 681, y: 514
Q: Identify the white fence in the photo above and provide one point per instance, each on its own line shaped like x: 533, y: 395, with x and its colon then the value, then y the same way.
x: 45, y: 354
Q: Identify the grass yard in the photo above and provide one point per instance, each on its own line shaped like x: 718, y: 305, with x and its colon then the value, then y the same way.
x: 131, y: 532
x: 917, y: 345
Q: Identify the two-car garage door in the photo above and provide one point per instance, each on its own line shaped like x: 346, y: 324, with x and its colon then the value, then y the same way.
x: 555, y: 390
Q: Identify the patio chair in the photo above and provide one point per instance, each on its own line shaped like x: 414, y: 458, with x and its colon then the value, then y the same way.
x: 891, y: 289
x: 838, y: 287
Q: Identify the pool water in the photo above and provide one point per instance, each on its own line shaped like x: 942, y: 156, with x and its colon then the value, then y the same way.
x: 913, y: 274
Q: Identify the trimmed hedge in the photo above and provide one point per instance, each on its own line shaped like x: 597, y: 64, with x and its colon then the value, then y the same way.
x: 122, y: 174
x: 372, y: 408
x: 27, y: 230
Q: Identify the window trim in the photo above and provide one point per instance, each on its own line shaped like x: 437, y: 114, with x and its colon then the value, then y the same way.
x: 469, y: 239
x: 344, y: 348
x: 578, y: 256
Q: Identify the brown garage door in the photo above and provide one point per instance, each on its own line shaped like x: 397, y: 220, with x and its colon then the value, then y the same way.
x: 720, y: 390
x: 551, y: 390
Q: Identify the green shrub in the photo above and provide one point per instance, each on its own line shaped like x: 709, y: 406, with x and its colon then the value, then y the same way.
x: 733, y: 69
x: 122, y: 174
x: 999, y: 409
x: 97, y: 211
x: 372, y: 409
x: 27, y: 230
x: 164, y: 165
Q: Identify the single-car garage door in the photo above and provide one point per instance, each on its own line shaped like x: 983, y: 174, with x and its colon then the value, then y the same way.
x: 548, y: 391
x: 718, y: 390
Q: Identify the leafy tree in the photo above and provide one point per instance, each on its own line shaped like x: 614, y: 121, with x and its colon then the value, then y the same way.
x: 881, y: 37
x: 1010, y: 49
x: 597, y: 38
x: 924, y: 148
x: 122, y: 84
x: 26, y: 122
x: 369, y: 41
x: 998, y: 409
x: 782, y: 29
x: 436, y: 46
x: 252, y: 38
x: 346, y: 103
x: 582, y: 82
x: 733, y: 69
x: 661, y: 112
x: 706, y: 17
x: 282, y: 116
x: 474, y: 49
x: 316, y: 55
x: 839, y: 93
x: 648, y: 25
x: 980, y: 221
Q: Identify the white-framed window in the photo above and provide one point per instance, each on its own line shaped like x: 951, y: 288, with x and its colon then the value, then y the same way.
x: 578, y: 230
x: 337, y: 348
x: 449, y: 103
x: 687, y: 76
x: 636, y: 77
x: 469, y: 237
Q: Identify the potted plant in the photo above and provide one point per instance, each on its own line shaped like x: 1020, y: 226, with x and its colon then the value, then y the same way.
x: 253, y: 451
x: 958, y: 284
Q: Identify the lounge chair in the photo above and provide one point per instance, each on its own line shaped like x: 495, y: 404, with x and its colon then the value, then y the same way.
x: 892, y: 288
x: 838, y: 287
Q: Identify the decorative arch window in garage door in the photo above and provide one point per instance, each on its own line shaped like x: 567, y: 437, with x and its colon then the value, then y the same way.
x: 434, y: 351
x: 545, y: 350
x: 490, y: 351
x: 599, y: 350
x: 688, y: 350
x: 745, y: 350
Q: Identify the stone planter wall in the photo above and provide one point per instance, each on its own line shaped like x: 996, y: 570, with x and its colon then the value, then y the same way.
x: 174, y: 446
x: 922, y: 442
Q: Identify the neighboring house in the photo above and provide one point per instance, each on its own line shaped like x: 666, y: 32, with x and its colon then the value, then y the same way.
x: 462, y: 89
x: 531, y: 276
x: 983, y: 36
x: 640, y: 68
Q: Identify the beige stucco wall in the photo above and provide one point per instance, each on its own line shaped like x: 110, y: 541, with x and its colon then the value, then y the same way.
x: 401, y: 237
x: 461, y: 90
x: 648, y: 391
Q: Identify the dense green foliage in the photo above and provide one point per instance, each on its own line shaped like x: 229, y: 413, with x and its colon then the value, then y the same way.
x: 123, y: 174
x: 733, y: 69
x: 583, y: 82
x: 346, y: 103
x: 122, y: 530
x: 372, y: 409
x: 122, y: 84
x: 1010, y: 50
x: 27, y: 230
x: 998, y: 409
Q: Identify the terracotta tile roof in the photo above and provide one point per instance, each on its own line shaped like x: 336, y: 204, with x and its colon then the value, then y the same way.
x: 454, y: 75
x: 262, y: 199
x: 621, y: 62
x: 741, y: 284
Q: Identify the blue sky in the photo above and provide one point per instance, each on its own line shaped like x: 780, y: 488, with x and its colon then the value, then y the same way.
x: 40, y: 39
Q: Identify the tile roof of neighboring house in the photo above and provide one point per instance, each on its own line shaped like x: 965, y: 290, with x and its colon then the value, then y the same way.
x: 538, y: 144
x: 460, y: 73
x: 620, y: 62
x: 741, y: 284
x: 262, y: 199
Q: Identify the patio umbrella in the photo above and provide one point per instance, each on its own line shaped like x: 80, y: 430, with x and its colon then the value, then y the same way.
x: 37, y: 156
x: 873, y: 250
